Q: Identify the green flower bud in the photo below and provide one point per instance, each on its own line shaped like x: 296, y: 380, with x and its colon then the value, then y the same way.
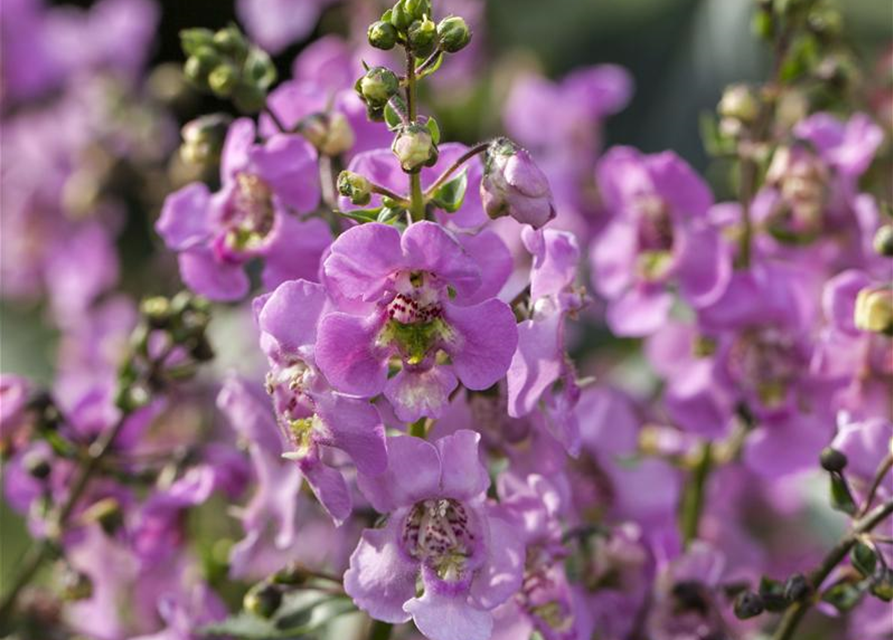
x: 400, y: 19
x: 263, y: 600
x: 331, y: 133
x: 417, y: 9
x: 422, y: 37
x: 414, y: 148
x: 796, y: 588
x: 354, y: 186
x: 200, y: 64
x: 76, y: 585
x: 191, y: 40
x: 249, y: 98
x: 738, y: 101
x: 748, y: 604
x: 382, y: 35
x: 874, y: 310
x: 377, y: 86
x: 453, y: 34
x: 223, y: 79
x: 883, y: 241
x: 231, y: 42
x: 203, y: 140
x: 832, y: 460
x: 107, y: 512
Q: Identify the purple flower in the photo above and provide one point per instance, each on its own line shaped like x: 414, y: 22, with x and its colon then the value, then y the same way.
x: 514, y: 186
x: 409, y: 297
x: 14, y: 421
x: 252, y: 215
x: 275, y: 24
x: 540, y: 369
x: 659, y: 235
x: 439, y: 528
x: 865, y: 445
x: 313, y: 416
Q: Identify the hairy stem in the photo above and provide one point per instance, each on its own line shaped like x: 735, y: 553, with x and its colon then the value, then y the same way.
x: 794, y: 614
x: 882, y: 471
x: 465, y: 157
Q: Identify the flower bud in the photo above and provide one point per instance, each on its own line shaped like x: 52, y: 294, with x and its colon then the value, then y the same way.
x: 513, y: 185
x: 748, y: 604
x: 223, y: 79
x: 400, y: 19
x: 354, y: 186
x: 382, y: 35
x: 203, y: 138
x: 453, y: 34
x: 414, y: 148
x: 874, y: 310
x: 422, y: 37
x: 331, y: 133
x: 417, y: 9
x: 738, y: 101
x: 832, y: 460
x: 883, y: 241
x: 263, y: 600
x: 107, y: 512
x: 249, y: 98
x: 796, y: 588
x: 76, y: 585
x: 37, y: 464
x: 231, y: 42
x: 377, y: 86
x: 199, y: 65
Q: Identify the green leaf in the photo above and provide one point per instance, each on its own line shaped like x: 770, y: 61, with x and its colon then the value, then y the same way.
x: 843, y: 596
x: 361, y: 215
x: 392, y: 113
x: 300, y: 613
x: 864, y: 559
x: 841, y: 498
x: 882, y: 587
x: 450, y: 195
x: 434, y: 129
x: 388, y: 215
x: 434, y: 66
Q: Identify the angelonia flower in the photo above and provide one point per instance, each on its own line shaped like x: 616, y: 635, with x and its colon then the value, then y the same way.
x: 402, y: 386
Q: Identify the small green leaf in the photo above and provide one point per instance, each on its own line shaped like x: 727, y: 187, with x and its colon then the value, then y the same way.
x: 389, y: 215
x: 392, y: 113
x: 864, y: 559
x: 451, y: 195
x: 843, y: 596
x: 841, y: 498
x: 362, y: 215
x: 300, y: 613
x: 434, y: 67
x: 434, y: 129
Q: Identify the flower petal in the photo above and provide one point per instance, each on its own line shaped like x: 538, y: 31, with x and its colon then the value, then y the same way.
x: 484, y: 341
x: 347, y: 355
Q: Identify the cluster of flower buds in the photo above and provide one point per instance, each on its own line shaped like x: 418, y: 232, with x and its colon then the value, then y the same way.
x: 409, y: 23
x: 226, y: 64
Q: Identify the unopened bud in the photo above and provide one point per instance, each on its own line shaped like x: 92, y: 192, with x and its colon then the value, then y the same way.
x: 223, y: 79
x: 199, y: 65
x: 331, y: 133
x: 453, y: 34
x: 796, y: 588
x: 157, y: 310
x: 400, y: 19
x: 874, y: 310
x: 414, y: 148
x: 382, y: 35
x: 203, y: 138
x: 748, y: 604
x: 249, y: 98
x: 513, y: 185
x: 37, y: 464
x: 107, y: 512
x: 883, y: 241
x: 417, y: 9
x: 738, y: 101
x: 422, y: 37
x: 832, y: 460
x: 231, y: 42
x: 377, y: 86
x: 354, y: 186
x: 263, y: 600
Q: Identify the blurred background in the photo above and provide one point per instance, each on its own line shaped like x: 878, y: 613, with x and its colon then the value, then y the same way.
x: 681, y: 54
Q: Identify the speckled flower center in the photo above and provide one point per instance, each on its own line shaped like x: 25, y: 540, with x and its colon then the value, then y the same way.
x: 417, y: 300
x: 655, y: 228
x: 251, y: 216
x: 437, y: 533
x: 287, y: 385
x: 767, y: 362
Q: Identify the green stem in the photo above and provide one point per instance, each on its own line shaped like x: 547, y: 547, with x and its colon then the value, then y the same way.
x: 416, y: 198
x: 380, y: 630
x: 465, y: 157
x: 693, y: 498
x: 794, y: 614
